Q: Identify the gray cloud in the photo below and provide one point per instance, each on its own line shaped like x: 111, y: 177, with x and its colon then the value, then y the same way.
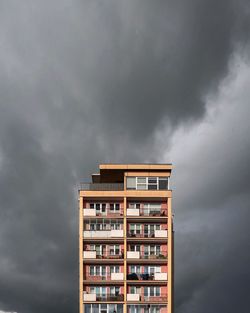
x: 212, y: 200
x: 88, y: 81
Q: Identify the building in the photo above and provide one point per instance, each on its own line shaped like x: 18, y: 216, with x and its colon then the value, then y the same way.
x: 126, y: 240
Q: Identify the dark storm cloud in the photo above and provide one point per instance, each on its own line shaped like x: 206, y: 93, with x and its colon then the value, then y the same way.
x: 83, y: 82
x: 212, y: 201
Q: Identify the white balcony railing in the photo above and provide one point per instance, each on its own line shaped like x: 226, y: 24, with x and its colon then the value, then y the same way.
x: 89, y: 212
x: 133, y: 297
x: 117, y: 276
x: 160, y: 276
x: 89, y: 297
x: 114, y: 233
x: 89, y: 254
x: 161, y: 233
x: 117, y: 233
x: 133, y: 212
x: 133, y: 255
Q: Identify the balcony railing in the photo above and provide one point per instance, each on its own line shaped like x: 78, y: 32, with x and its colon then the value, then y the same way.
x: 114, y: 233
x: 92, y: 297
x: 109, y: 297
x: 102, y: 186
x: 91, y: 254
x: 104, y: 276
x: 161, y: 298
x: 110, y: 256
x: 144, y: 255
x: 146, y: 276
x: 155, y: 256
x: 107, y: 213
x: 157, y: 212
x: 156, y: 234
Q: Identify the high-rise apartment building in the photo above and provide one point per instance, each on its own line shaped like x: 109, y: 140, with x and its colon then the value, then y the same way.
x: 126, y: 240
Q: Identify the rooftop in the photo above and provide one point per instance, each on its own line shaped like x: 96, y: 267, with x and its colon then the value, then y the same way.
x: 114, y: 172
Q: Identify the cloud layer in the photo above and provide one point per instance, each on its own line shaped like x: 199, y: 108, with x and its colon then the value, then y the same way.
x: 84, y: 82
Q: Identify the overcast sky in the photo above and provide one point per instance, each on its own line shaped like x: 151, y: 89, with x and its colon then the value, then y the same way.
x: 84, y: 82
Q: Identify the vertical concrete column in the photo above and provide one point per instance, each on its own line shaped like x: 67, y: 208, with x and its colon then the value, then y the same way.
x: 81, y: 308
x: 170, y: 256
x: 125, y: 253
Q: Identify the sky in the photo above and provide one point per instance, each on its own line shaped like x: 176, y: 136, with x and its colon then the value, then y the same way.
x: 87, y: 81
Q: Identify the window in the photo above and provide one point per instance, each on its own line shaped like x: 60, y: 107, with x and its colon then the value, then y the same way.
x: 135, y: 248
x: 114, y: 250
x: 114, y: 269
x: 104, y: 308
x: 134, y: 205
x: 114, y: 207
x: 97, y: 270
x: 152, y: 250
x: 153, y: 291
x: 131, y: 183
x: 141, y: 183
x: 135, y: 290
x: 135, y: 229
x: 163, y: 183
x: 87, y: 308
x: 147, y: 183
x: 91, y: 270
x: 114, y: 291
x: 149, y: 229
x: 135, y: 269
x: 99, y: 207
x: 152, y: 183
x: 95, y: 308
x: 152, y: 269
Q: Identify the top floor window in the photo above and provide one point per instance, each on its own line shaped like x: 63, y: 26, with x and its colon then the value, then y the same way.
x: 147, y: 183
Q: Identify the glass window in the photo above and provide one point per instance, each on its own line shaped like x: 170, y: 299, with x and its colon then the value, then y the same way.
x: 95, y: 308
x: 112, y: 308
x: 141, y: 180
x: 87, y: 308
x: 152, y: 180
x: 131, y: 182
x: 158, y: 250
x: 119, y: 308
x: 92, y: 270
x: 141, y: 187
x: 163, y: 183
x: 152, y: 187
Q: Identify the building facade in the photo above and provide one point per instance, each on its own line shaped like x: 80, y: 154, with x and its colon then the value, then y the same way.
x: 126, y: 240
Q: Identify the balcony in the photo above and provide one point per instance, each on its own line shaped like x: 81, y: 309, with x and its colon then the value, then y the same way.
x: 102, y: 186
x: 92, y: 297
x: 89, y: 254
x: 133, y: 297
x: 133, y: 255
x: 142, y: 298
x: 89, y: 212
x: 140, y: 257
x: 107, y: 213
x: 114, y: 233
x: 161, y: 233
x: 92, y: 254
x: 155, y: 256
x: 148, y: 277
x: 133, y: 212
x: 104, y: 276
x: 155, y: 234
